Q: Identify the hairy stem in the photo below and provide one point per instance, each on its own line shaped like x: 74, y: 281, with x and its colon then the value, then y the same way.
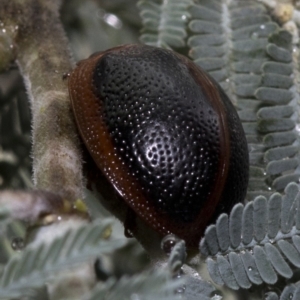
x: 42, y: 53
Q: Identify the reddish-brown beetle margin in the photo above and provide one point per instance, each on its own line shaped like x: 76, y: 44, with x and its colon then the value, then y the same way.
x: 87, y: 110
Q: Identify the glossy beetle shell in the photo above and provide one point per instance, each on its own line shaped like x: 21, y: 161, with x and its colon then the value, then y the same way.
x: 164, y: 134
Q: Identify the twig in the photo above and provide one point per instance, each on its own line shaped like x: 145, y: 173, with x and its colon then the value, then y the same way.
x: 41, y: 48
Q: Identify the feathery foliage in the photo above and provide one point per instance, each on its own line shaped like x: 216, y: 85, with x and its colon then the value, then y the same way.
x: 12, y: 237
x: 251, y: 58
x: 14, y: 132
x: 257, y: 243
x: 164, y: 22
x: 177, y: 257
x: 148, y: 285
x: 165, y: 283
x: 290, y: 292
x: 38, y: 264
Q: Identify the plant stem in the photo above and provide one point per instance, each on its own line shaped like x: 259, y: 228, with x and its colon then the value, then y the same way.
x: 42, y: 54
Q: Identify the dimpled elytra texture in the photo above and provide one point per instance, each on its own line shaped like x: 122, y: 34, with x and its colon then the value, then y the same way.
x: 164, y: 134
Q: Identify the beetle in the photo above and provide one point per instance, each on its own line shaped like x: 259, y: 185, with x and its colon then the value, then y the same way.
x: 164, y: 134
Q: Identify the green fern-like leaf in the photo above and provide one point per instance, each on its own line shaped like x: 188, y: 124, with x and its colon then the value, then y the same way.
x: 37, y: 264
x: 12, y: 233
x: 194, y: 289
x: 163, y: 283
x: 148, y: 285
x: 177, y: 257
x: 271, y: 296
x: 256, y: 243
x: 290, y: 292
x: 244, y: 50
x: 164, y: 22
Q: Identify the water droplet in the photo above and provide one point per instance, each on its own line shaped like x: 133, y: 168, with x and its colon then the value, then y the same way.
x: 250, y: 269
x: 58, y: 218
x: 135, y: 297
x: 291, y: 296
x: 168, y: 243
x: 179, y: 274
x: 17, y: 243
x: 112, y: 20
x: 3, y: 30
x: 66, y: 75
x: 262, y: 26
x: 181, y: 290
x: 128, y: 233
x: 254, y: 35
x: 183, y: 17
x: 217, y: 296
